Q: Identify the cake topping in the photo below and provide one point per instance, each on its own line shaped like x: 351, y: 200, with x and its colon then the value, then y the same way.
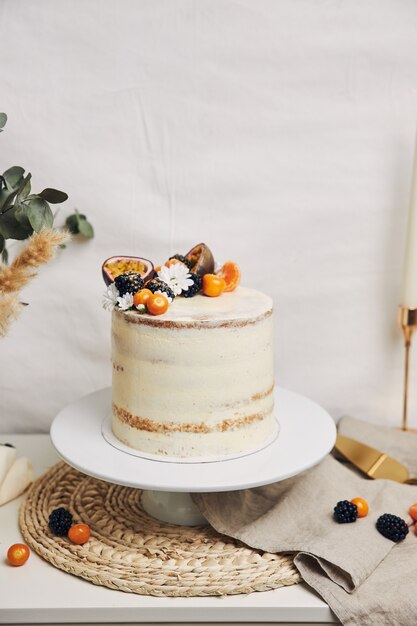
x: 201, y: 259
x: 131, y: 280
x: 158, y: 286
x: 213, y: 285
x: 141, y: 297
x: 195, y: 287
x: 116, y: 265
x: 176, y: 276
x: 230, y: 272
x: 180, y: 258
x: 157, y: 304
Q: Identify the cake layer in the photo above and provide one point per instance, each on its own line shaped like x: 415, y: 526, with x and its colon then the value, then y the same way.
x: 197, y: 381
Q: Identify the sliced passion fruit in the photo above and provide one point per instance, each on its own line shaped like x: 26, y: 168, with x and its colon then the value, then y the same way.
x: 116, y: 265
x: 201, y: 259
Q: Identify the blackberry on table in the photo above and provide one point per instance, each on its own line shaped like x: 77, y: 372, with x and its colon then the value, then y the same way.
x: 195, y: 287
x: 392, y: 527
x: 345, y: 512
x: 60, y: 521
x: 129, y: 282
x: 183, y: 259
x: 156, y: 284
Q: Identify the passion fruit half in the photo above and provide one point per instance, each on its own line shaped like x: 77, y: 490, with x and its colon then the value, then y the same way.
x: 201, y: 259
x: 116, y: 265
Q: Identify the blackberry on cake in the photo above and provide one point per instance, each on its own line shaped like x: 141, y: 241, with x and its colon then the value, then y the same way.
x: 195, y: 287
x: 156, y: 285
x: 182, y: 259
x: 129, y: 282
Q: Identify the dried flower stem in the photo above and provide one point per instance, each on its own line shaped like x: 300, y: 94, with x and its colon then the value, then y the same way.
x: 40, y: 249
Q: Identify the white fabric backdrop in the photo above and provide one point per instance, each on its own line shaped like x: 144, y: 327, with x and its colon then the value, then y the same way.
x: 279, y: 132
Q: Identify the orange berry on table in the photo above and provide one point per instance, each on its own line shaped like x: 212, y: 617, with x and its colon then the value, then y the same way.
x: 141, y: 296
x: 213, y: 285
x: 362, y: 506
x: 157, y: 268
x: 18, y: 554
x: 413, y: 511
x: 157, y: 304
x: 231, y: 273
x: 79, y: 533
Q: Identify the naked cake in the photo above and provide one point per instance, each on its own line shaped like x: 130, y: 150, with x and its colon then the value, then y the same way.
x: 195, y: 381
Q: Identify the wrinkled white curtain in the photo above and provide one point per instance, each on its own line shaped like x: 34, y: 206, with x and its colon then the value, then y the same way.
x: 279, y: 132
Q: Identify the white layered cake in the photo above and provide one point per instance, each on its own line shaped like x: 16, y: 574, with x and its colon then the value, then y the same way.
x: 198, y: 381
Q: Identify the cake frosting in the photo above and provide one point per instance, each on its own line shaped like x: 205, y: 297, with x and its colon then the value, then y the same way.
x: 197, y: 381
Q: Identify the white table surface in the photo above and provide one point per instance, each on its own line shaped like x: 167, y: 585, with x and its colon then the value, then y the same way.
x: 39, y: 593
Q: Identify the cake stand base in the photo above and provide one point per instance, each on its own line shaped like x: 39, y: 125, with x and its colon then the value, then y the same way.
x: 173, y: 507
x: 307, y: 434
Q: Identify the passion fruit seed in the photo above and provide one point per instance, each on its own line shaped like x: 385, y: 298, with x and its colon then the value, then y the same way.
x: 117, y: 265
x: 201, y: 259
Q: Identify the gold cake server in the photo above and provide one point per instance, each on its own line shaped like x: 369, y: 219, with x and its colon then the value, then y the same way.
x: 372, y: 462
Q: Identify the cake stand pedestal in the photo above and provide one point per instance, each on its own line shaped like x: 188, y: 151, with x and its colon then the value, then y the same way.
x: 307, y: 434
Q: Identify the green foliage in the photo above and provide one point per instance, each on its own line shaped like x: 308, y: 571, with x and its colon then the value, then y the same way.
x: 77, y: 224
x: 3, y: 120
x: 23, y: 212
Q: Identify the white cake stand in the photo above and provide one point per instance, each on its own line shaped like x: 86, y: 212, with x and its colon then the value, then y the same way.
x: 307, y: 434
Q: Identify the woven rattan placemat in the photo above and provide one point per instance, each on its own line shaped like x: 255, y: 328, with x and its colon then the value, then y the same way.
x: 130, y: 551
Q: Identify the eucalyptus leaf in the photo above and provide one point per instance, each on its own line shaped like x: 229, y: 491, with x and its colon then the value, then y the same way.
x: 25, y: 188
x: 72, y: 224
x: 12, y: 228
x: 5, y: 256
x: 85, y: 228
x: 2, y: 242
x: 3, y: 120
x: 6, y: 198
x: 39, y: 214
x: 13, y: 176
x: 54, y: 196
x: 21, y: 212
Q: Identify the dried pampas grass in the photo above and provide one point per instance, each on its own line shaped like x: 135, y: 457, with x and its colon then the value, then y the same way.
x: 40, y: 249
x: 9, y: 310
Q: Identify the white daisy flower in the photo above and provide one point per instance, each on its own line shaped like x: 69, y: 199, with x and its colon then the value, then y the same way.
x: 110, y: 297
x: 125, y: 302
x: 141, y: 308
x: 177, y: 276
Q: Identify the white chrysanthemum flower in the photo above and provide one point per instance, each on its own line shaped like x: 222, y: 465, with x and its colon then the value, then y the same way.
x: 125, y: 302
x: 177, y: 277
x: 141, y: 308
x: 110, y: 297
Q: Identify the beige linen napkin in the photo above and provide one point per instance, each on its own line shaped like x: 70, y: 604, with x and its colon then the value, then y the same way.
x: 365, y: 578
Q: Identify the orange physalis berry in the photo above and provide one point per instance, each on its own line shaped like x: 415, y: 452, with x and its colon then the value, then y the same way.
x: 362, y: 506
x: 141, y: 296
x: 413, y: 511
x: 213, y: 285
x: 18, y: 554
x: 158, y: 268
x: 79, y: 533
x: 173, y: 262
x: 157, y: 304
x: 231, y: 273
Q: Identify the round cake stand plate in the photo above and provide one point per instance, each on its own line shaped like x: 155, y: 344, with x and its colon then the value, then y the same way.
x: 307, y: 433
